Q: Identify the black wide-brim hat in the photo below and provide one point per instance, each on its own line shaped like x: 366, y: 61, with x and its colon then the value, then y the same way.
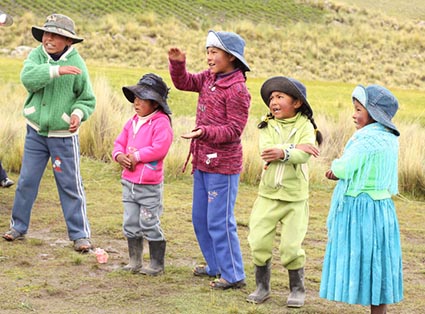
x: 57, y: 24
x: 150, y: 87
x: 288, y: 86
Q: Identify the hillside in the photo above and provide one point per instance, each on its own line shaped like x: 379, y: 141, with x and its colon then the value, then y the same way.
x: 310, y: 40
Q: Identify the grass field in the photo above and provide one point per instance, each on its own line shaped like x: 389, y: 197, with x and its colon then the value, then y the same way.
x: 330, y: 46
x: 44, y: 275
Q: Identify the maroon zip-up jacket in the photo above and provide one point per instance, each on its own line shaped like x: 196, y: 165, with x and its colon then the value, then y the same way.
x: 222, y: 113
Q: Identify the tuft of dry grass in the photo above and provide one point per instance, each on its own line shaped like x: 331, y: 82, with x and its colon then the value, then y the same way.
x: 112, y: 111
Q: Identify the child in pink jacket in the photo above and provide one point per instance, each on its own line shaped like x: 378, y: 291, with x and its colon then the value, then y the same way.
x: 140, y: 149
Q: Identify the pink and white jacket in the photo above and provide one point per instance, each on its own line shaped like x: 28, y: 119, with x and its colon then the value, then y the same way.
x: 222, y: 113
x: 149, y: 143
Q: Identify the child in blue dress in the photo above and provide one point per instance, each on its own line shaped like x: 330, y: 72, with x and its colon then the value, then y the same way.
x: 363, y: 260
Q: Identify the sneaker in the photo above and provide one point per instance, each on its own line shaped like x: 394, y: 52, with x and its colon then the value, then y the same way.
x: 6, y: 183
x: 82, y: 245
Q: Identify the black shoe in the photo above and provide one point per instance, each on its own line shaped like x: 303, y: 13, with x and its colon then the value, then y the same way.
x: 6, y: 183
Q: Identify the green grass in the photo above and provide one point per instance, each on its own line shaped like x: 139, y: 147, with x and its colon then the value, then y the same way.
x: 328, y: 98
x: 308, y: 40
x: 193, y: 13
x: 331, y: 47
x: 413, y: 9
x: 44, y: 275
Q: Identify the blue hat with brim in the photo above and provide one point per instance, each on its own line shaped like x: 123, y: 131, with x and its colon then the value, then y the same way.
x: 230, y: 42
x: 379, y: 102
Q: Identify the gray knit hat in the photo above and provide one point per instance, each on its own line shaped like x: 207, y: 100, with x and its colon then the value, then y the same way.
x: 57, y: 24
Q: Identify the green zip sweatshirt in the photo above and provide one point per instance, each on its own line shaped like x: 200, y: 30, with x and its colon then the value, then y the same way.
x: 287, y: 179
x: 52, y: 99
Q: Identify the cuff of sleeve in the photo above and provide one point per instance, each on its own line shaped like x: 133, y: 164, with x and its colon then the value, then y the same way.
x: 287, y: 152
x: 78, y: 113
x: 137, y: 156
x: 54, y: 71
x: 203, y: 135
x: 116, y: 155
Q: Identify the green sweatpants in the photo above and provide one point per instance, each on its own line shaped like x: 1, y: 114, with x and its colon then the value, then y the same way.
x: 265, y: 216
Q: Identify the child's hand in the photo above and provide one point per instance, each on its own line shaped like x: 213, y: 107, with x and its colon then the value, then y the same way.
x: 271, y: 154
x: 330, y: 175
x: 133, y: 162
x: 74, y: 124
x: 193, y: 134
x: 309, y: 149
x: 176, y: 54
x: 69, y: 69
x: 124, y: 161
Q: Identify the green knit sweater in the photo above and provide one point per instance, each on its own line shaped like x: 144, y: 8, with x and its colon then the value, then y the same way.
x: 53, y: 99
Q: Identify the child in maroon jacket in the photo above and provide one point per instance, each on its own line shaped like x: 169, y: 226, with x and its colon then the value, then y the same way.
x: 216, y: 148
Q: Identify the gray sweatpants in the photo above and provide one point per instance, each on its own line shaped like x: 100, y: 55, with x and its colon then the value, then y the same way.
x: 142, y: 209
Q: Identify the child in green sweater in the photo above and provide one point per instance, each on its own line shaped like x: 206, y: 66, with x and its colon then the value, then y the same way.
x: 60, y: 98
x: 288, y: 138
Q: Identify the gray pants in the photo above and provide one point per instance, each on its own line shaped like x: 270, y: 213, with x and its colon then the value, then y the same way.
x: 142, y: 209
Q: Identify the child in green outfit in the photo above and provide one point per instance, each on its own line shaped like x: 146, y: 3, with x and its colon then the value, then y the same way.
x: 60, y: 98
x: 287, y: 140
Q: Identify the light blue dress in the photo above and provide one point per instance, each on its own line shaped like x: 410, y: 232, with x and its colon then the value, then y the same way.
x: 363, y: 260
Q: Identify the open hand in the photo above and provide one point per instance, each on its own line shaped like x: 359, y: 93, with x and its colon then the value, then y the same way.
x: 175, y: 54
x: 192, y: 134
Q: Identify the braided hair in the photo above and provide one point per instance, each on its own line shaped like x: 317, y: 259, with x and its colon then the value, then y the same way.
x: 304, y: 111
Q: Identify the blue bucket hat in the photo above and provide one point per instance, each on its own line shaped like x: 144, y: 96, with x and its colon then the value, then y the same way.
x: 288, y: 86
x: 379, y: 102
x: 150, y: 87
x: 5, y: 19
x: 230, y: 42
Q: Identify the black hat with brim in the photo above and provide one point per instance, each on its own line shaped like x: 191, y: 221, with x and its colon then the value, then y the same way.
x: 150, y: 87
x: 288, y: 86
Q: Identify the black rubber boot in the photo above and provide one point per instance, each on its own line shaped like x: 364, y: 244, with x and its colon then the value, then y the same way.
x: 156, y: 253
x: 262, y: 279
x: 296, y: 285
x: 135, y: 250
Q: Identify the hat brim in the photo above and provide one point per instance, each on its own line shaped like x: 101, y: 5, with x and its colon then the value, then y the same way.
x: 284, y: 85
x: 38, y: 32
x: 375, y: 112
x: 380, y: 116
x: 233, y: 53
x: 8, y: 20
x: 131, y: 92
